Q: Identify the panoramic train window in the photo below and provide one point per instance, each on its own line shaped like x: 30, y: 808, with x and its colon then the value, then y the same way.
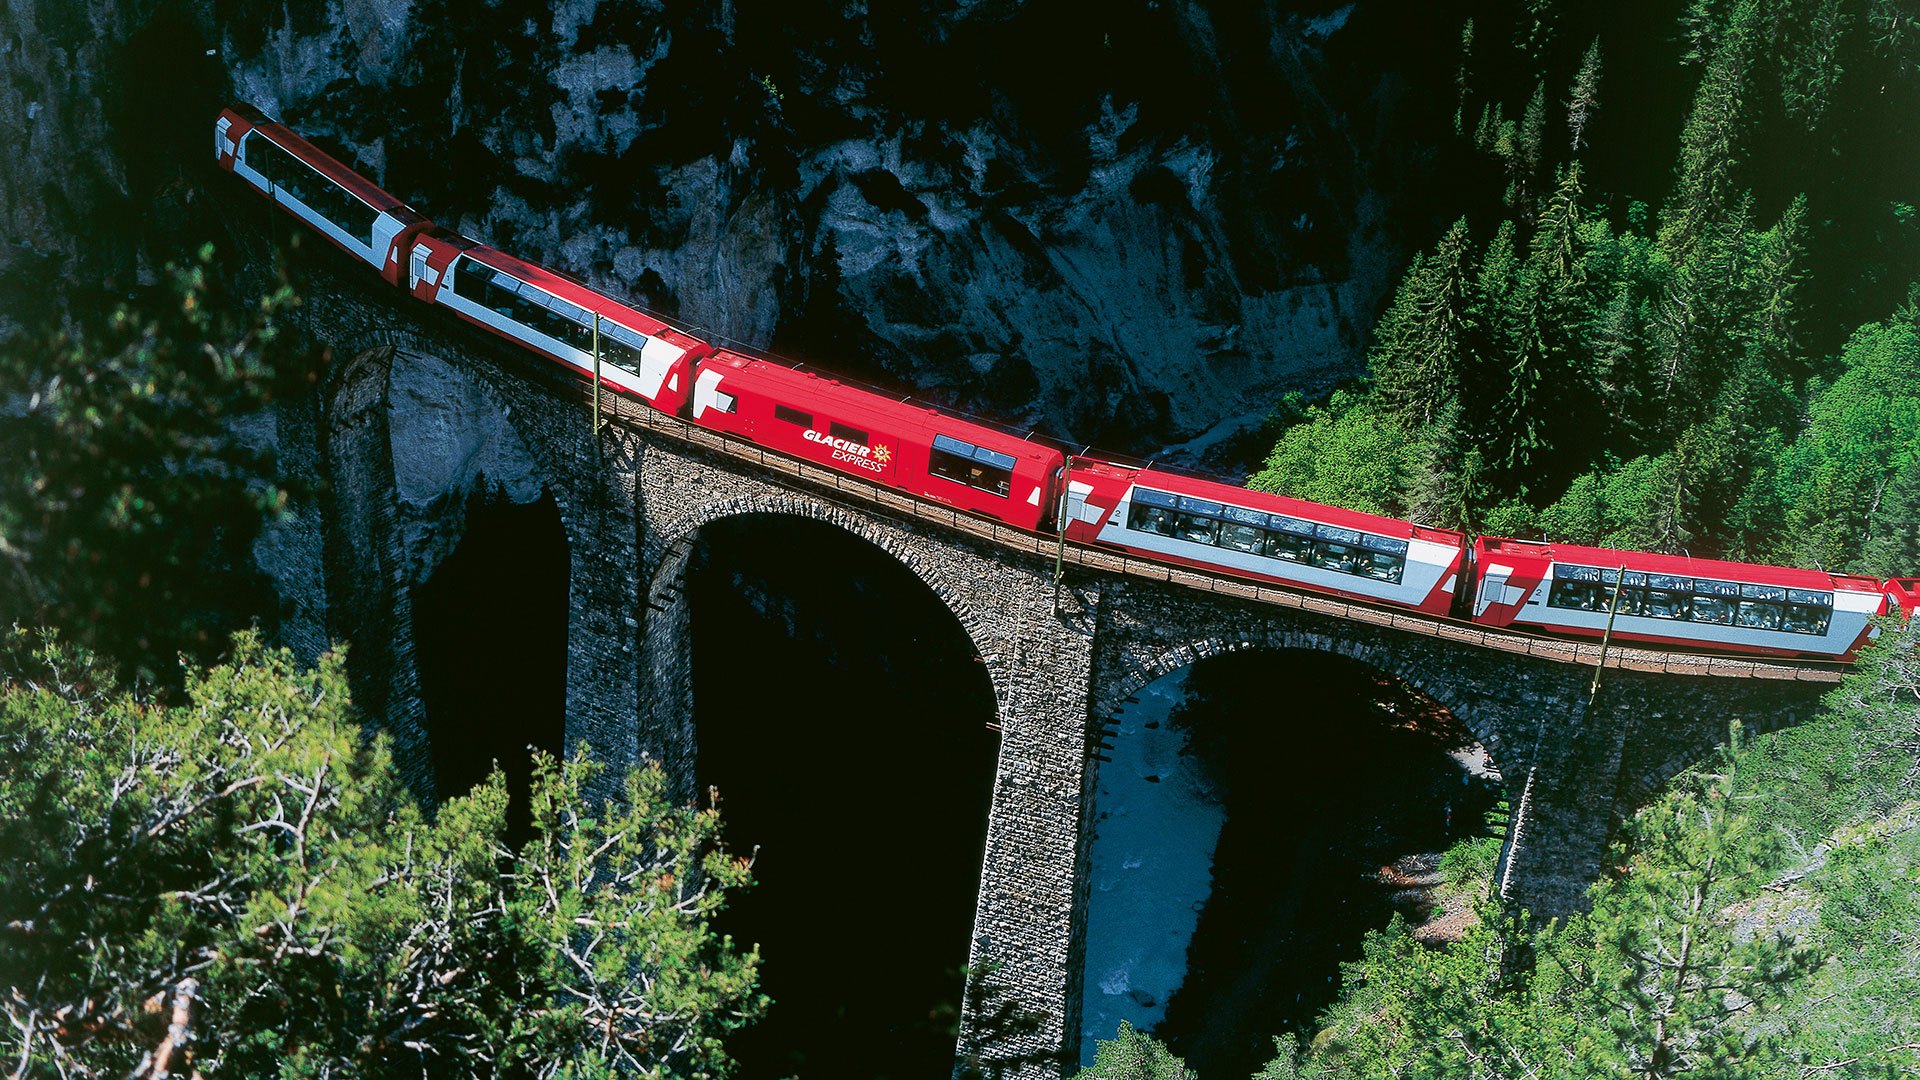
x: 974, y: 466
x: 541, y: 311
x: 1152, y: 512
x: 310, y: 186
x: 1699, y: 600
x: 621, y: 347
x: 1272, y: 536
x: 1289, y: 546
x: 793, y: 416
x: 1195, y: 529
x: 1241, y: 538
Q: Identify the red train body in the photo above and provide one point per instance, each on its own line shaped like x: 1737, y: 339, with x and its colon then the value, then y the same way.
x: 1166, y: 517
x: 1179, y: 519
x: 1903, y: 595
x: 555, y: 316
x: 918, y: 449
x: 1673, y: 600
x: 336, y: 202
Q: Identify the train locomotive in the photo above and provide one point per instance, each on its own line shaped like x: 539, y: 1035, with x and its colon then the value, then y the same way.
x: 1662, y: 601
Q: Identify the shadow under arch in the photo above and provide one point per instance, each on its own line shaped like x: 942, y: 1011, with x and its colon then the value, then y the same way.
x: 668, y: 555
x: 1262, y: 809
x: 1463, y: 707
x: 841, y: 708
x: 449, y: 551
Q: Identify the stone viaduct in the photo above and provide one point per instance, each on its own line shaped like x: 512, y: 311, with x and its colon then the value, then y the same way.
x: 415, y: 409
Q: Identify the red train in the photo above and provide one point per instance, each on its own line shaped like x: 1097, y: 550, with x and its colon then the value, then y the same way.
x: 1172, y: 518
x: 1674, y: 600
x: 555, y: 316
x: 1903, y: 595
x: 336, y: 202
x: 1661, y: 600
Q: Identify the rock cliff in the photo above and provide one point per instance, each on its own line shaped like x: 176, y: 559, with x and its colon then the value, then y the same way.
x: 1132, y: 225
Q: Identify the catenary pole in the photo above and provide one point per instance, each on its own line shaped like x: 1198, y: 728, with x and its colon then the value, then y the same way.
x: 1060, y: 521
x: 1606, y: 636
x: 596, y: 386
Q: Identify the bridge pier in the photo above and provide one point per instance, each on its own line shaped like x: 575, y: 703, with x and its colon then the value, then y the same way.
x: 1022, y: 1012
x: 1588, y: 774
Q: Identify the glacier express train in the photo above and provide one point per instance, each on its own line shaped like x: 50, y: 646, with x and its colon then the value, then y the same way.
x: 1674, y: 600
x: 1154, y: 514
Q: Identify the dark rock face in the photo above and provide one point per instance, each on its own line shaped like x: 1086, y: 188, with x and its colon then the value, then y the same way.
x: 1132, y: 225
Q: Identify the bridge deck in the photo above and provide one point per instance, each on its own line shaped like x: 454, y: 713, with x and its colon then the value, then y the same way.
x: 869, y: 495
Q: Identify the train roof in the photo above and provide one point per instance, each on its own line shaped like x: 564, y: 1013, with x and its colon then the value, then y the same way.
x: 1217, y: 491
x: 369, y: 192
x: 1905, y: 592
x: 573, y: 291
x: 1680, y: 565
x: 858, y: 404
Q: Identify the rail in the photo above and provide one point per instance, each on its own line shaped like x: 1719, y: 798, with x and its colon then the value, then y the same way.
x: 631, y: 413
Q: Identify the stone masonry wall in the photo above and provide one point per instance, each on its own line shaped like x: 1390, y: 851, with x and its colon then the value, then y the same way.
x: 1023, y: 1011
x: 1589, y: 767
x: 633, y: 499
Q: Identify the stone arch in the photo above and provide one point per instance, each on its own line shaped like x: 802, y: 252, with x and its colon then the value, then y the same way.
x: 922, y: 699
x: 668, y: 552
x: 1463, y: 707
x: 394, y: 344
x: 399, y: 509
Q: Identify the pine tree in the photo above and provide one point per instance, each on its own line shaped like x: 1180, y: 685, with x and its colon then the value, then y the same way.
x: 1585, y: 98
x: 1417, y: 356
x: 1134, y: 1055
x: 1811, y: 69
x: 1552, y: 249
x: 1681, y: 980
x: 1486, y: 132
x: 1893, y: 526
x: 241, y: 886
x: 1711, y: 142
x: 1519, y: 148
x: 1700, y: 24
x: 1533, y: 129
x: 1497, y: 330
x: 1773, y: 286
x: 1616, y: 369
x: 1447, y: 482
x: 1461, y: 82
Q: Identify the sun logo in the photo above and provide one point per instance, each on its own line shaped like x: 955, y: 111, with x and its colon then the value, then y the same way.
x: 882, y: 455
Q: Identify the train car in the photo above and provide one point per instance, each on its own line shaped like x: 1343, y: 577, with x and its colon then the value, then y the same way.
x: 1673, y: 600
x: 969, y: 466
x: 555, y: 316
x: 1903, y: 595
x: 300, y: 178
x: 1178, y: 519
